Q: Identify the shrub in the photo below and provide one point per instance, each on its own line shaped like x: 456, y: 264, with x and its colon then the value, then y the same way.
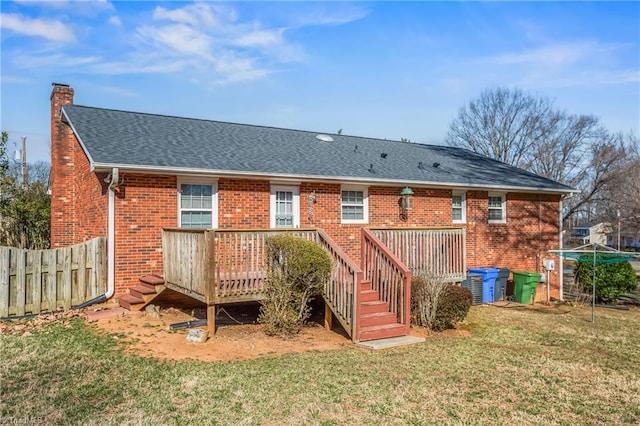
x: 298, y: 270
x: 453, y: 307
x: 612, y: 279
x: 426, y: 290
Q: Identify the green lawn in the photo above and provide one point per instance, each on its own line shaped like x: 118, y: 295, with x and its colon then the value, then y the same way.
x: 518, y: 367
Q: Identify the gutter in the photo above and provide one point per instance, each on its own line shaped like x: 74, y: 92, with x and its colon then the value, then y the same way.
x: 105, y: 167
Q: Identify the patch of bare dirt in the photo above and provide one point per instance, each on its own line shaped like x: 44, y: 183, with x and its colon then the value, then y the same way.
x: 147, y: 335
x: 238, y: 336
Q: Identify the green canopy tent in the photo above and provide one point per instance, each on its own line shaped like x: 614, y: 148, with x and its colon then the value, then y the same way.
x: 599, y: 254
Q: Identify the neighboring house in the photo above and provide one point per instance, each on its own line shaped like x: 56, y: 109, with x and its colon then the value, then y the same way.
x: 626, y: 241
x: 590, y: 234
x: 128, y: 175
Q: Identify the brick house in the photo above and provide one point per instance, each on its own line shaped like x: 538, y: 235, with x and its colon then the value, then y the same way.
x: 128, y: 175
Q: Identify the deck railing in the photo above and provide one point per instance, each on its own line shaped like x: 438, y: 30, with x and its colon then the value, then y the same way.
x: 241, y: 263
x: 187, y: 260
x: 225, y: 266
x: 435, y: 251
x: 388, y: 275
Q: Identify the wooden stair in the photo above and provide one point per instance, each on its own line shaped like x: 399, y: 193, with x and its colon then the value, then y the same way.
x: 376, y: 320
x: 147, y: 289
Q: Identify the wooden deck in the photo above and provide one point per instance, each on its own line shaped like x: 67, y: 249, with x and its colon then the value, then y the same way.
x: 217, y: 266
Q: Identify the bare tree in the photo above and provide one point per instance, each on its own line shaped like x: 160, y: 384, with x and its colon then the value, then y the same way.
x: 563, y: 153
x: 527, y: 132
x: 620, y: 204
x: 503, y: 123
x: 607, y: 161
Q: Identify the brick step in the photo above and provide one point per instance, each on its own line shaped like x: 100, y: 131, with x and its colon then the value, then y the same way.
x: 131, y: 303
x: 382, y: 332
x: 379, y: 318
x: 369, y: 295
x: 373, y: 307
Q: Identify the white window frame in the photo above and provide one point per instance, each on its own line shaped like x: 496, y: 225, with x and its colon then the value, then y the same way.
x: 503, y: 207
x: 463, y: 196
x: 296, y: 204
x: 214, y: 197
x: 365, y: 203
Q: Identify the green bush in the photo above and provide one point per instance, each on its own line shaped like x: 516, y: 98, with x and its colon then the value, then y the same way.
x: 298, y: 270
x: 453, y: 307
x: 612, y: 279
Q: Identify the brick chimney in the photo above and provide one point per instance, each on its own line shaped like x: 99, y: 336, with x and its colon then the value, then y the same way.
x: 62, y: 170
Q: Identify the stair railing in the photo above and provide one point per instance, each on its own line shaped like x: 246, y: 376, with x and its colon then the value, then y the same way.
x: 341, y: 291
x: 388, y: 275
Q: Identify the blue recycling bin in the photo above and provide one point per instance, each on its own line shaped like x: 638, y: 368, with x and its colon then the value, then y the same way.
x: 489, y: 276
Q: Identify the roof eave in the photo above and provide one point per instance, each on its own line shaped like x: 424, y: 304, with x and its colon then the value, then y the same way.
x: 106, y: 167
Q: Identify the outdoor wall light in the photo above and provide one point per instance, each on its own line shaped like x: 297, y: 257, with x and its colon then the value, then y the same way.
x: 407, y: 196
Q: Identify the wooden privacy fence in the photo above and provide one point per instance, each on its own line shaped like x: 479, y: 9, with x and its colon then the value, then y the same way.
x: 33, y: 281
x: 441, y: 252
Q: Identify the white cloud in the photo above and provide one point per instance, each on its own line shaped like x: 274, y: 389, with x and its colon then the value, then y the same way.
x: 551, y: 55
x: 179, y: 38
x: 75, y: 7
x: 14, y: 79
x: 197, y: 14
x: 51, y: 61
x: 260, y: 38
x: 118, y: 91
x: 48, y: 29
x: 338, y: 15
x: 115, y: 21
x: 575, y: 64
x: 207, y: 42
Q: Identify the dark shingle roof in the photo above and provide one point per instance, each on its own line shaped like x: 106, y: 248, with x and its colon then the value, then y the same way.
x: 133, y: 140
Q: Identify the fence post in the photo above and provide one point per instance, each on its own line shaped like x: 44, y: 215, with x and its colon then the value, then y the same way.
x: 5, y: 259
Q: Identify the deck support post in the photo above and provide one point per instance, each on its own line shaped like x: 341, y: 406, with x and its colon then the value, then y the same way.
x: 211, y: 320
x: 328, y: 317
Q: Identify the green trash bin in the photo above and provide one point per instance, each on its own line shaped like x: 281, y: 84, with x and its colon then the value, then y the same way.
x: 526, y: 284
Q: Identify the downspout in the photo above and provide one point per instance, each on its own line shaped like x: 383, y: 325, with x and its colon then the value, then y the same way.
x: 111, y: 235
x: 111, y: 249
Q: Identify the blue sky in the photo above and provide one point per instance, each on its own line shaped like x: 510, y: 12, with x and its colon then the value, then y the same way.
x: 378, y: 69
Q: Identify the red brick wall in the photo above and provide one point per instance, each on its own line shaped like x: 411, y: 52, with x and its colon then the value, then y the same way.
x: 144, y: 205
x: 243, y: 204
x: 147, y: 203
x: 522, y: 243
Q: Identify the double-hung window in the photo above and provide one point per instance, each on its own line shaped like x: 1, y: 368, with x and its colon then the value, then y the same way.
x: 497, y: 208
x: 354, y: 205
x: 285, y: 206
x: 197, y: 204
x: 459, y: 207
